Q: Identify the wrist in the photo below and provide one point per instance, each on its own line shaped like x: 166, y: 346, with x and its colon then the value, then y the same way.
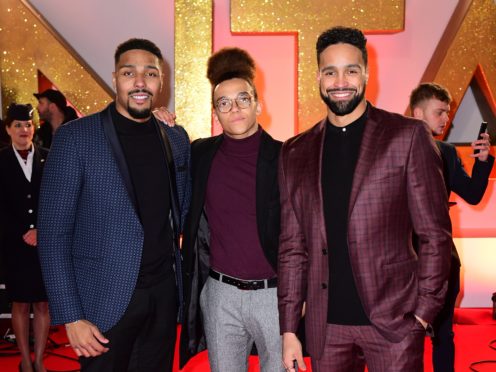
x: 71, y: 323
x: 289, y: 335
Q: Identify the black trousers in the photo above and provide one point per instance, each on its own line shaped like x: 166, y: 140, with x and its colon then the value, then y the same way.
x: 145, y: 336
x: 443, y: 346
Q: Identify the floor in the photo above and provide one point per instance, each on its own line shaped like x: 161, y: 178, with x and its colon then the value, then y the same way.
x: 474, y: 331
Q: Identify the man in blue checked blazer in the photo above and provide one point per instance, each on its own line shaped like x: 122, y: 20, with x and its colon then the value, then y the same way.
x: 113, y: 198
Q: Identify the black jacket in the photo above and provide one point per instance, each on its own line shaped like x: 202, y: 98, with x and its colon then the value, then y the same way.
x: 196, y: 237
x: 470, y: 189
x: 18, y: 196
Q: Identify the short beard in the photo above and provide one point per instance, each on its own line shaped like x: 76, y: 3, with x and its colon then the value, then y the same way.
x: 341, y: 108
x: 44, y: 116
x: 139, y: 114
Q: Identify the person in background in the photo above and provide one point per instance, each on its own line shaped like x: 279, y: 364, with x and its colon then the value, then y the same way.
x: 353, y: 189
x: 70, y: 113
x: 52, y: 109
x: 430, y: 102
x: 21, y: 168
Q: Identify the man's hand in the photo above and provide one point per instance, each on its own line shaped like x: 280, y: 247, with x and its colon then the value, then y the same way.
x: 483, y: 145
x: 291, y: 351
x: 165, y: 116
x: 85, y: 338
x: 422, y: 321
x: 30, y: 237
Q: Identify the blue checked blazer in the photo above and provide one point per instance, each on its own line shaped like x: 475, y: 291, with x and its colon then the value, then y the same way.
x: 90, y: 238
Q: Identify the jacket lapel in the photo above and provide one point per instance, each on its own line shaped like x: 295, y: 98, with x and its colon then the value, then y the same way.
x: 366, y: 157
x: 38, y: 163
x: 313, y: 172
x: 169, y: 160
x: 111, y: 134
x: 266, y: 174
x: 15, y: 166
x: 203, y: 169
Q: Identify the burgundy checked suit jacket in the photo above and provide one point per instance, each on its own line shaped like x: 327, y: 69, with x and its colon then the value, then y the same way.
x: 397, y: 188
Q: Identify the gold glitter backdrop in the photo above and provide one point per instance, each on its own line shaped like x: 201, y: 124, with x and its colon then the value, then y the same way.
x: 308, y: 18
x: 28, y: 44
x: 472, y: 51
x: 192, y: 47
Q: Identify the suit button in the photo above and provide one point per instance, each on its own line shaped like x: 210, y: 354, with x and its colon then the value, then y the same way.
x: 30, y: 211
x: 28, y: 196
x: 324, y: 286
x: 31, y: 226
x: 324, y: 252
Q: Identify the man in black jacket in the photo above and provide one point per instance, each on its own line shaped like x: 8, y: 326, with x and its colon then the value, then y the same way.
x: 431, y: 102
x: 230, y: 240
x: 53, y: 110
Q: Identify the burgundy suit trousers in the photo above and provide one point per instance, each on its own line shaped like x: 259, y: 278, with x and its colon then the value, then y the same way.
x: 350, y: 348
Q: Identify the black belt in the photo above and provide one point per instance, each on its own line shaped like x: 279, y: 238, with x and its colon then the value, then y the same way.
x: 247, y: 285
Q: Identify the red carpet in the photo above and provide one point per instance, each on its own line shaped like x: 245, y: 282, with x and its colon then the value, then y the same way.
x: 474, y: 330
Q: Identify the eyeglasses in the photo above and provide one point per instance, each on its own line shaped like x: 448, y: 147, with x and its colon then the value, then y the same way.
x: 243, y: 100
x: 20, y: 125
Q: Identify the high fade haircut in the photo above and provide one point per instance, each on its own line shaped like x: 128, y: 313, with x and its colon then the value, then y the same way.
x: 140, y: 44
x: 426, y: 91
x: 231, y: 63
x: 342, y: 35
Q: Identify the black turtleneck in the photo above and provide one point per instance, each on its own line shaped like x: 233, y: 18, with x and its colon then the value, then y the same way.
x: 341, y: 150
x: 148, y: 169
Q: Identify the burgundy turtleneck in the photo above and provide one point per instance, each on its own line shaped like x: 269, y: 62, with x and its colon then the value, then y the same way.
x: 230, y: 205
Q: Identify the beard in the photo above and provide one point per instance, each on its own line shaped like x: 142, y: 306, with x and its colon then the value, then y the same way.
x: 139, y: 113
x: 341, y: 108
x: 44, y: 115
x: 143, y: 113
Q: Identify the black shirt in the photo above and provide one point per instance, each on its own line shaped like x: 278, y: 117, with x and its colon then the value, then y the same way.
x: 148, y: 169
x: 341, y: 150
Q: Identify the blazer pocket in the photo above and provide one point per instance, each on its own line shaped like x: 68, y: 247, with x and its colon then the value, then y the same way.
x: 408, y: 266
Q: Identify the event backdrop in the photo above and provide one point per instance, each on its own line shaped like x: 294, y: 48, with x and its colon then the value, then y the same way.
x: 71, y: 43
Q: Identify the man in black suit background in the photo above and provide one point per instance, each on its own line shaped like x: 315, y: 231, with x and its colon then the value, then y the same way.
x: 431, y: 102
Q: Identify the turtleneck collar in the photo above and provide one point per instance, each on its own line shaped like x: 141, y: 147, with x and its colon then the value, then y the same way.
x: 242, y: 147
x: 126, y: 126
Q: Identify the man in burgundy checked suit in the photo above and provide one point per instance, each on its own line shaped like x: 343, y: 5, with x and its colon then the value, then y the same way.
x: 353, y: 187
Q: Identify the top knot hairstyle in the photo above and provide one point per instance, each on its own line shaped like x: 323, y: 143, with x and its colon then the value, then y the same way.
x: 231, y: 63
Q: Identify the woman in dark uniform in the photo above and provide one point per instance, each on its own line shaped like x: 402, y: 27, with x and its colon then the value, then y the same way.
x: 21, y: 166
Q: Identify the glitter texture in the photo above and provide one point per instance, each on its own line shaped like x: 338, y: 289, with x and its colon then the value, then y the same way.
x: 28, y: 44
x: 473, y: 48
x: 192, y: 48
x: 308, y: 18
